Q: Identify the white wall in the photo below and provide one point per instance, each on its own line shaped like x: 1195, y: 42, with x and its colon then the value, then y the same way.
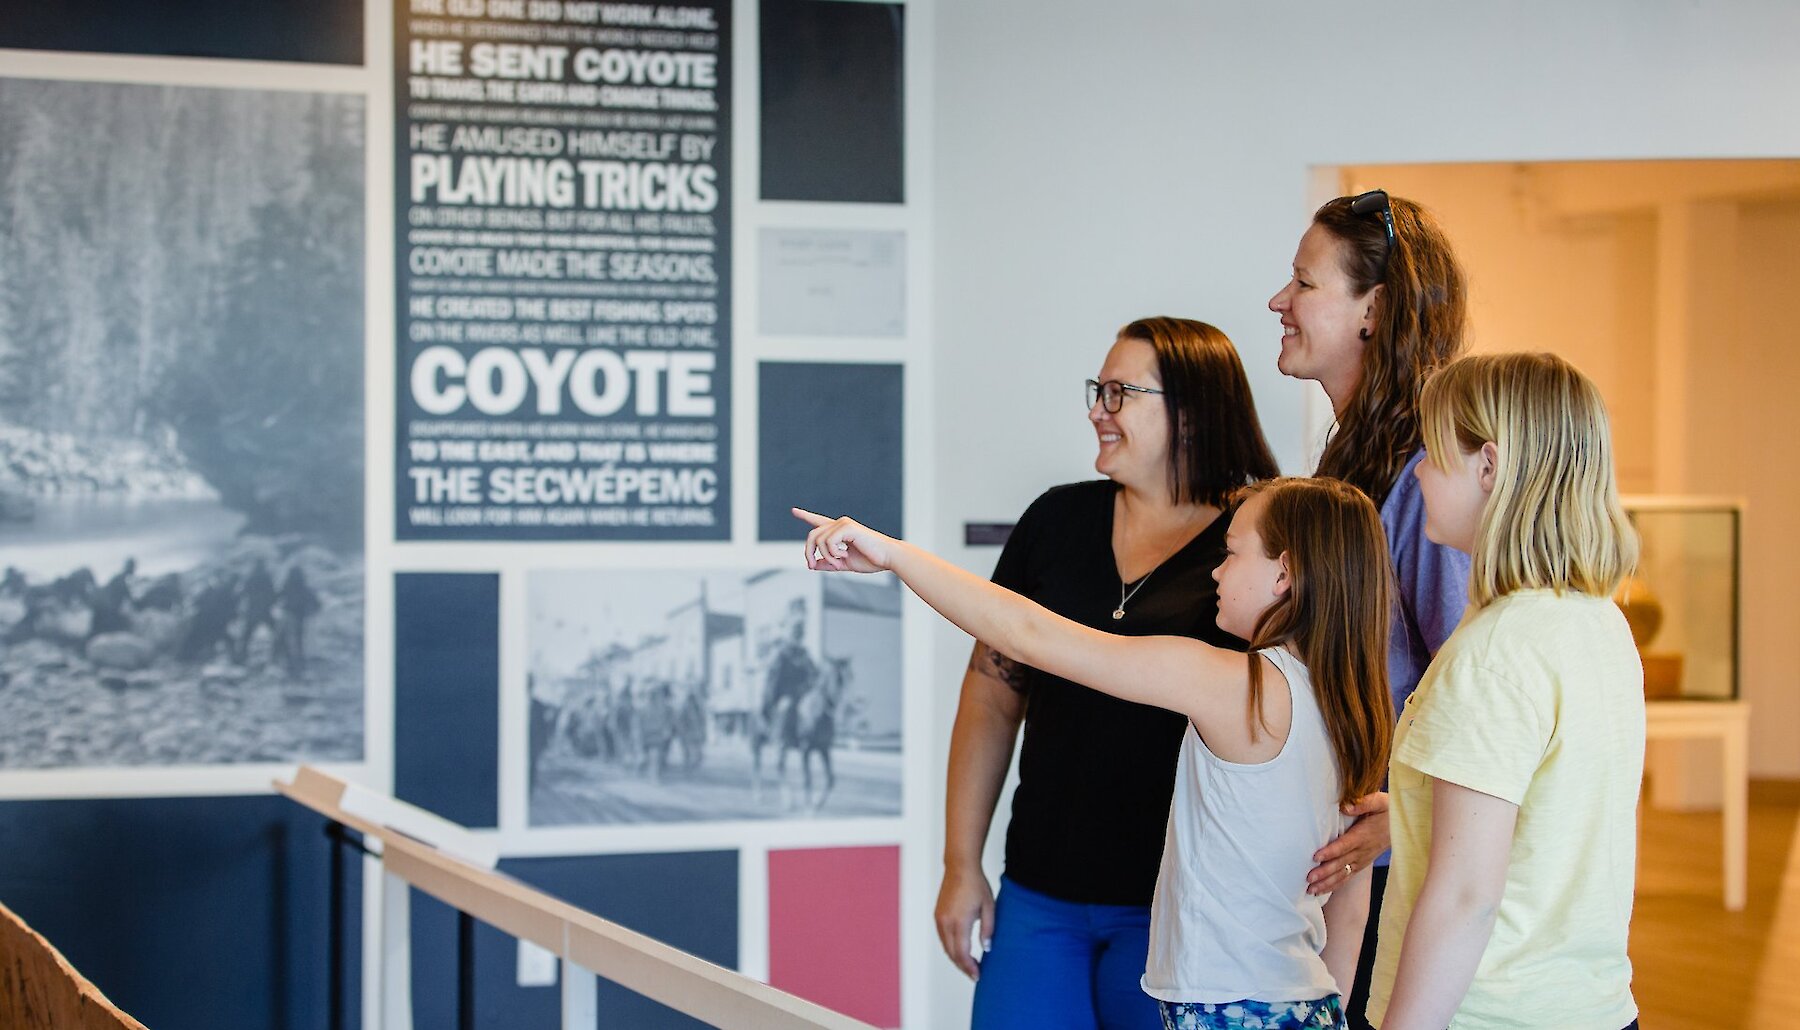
x: 1097, y: 162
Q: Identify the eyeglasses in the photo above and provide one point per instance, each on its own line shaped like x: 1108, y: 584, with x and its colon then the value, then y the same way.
x: 1376, y: 202
x: 1112, y: 392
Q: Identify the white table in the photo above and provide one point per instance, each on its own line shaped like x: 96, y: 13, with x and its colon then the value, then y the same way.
x: 1728, y: 722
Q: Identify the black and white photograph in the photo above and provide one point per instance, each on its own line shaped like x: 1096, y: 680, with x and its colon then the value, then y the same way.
x: 689, y: 696
x: 181, y: 425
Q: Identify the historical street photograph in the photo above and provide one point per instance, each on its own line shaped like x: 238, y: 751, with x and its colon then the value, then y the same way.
x: 682, y: 696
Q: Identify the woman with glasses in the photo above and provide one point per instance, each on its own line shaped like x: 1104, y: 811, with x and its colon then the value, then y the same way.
x: 1378, y: 301
x: 1065, y: 943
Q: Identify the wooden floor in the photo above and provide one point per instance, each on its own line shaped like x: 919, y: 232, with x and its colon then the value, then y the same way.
x: 1697, y: 966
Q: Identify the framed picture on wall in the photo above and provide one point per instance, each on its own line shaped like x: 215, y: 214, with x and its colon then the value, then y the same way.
x: 181, y: 426
x: 683, y: 696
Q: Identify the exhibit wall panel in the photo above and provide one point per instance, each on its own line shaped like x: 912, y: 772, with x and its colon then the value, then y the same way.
x: 195, y: 605
x: 220, y: 325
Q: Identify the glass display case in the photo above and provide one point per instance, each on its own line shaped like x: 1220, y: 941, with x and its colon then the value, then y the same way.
x: 1683, y: 601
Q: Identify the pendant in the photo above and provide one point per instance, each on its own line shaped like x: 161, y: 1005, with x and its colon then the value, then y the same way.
x: 1118, y: 613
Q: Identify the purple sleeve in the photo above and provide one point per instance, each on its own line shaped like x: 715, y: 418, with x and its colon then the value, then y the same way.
x: 1433, y: 583
x: 1434, y: 586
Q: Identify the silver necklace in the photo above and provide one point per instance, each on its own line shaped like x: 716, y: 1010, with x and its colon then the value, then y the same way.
x: 1119, y: 612
x: 1125, y: 598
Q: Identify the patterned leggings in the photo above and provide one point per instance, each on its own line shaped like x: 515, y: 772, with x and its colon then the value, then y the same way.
x: 1320, y: 1014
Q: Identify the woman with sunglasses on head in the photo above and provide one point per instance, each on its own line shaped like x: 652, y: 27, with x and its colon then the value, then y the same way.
x: 1065, y: 943
x: 1376, y: 303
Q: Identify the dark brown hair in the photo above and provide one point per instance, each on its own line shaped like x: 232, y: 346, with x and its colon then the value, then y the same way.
x: 1334, y: 617
x: 1216, y: 444
x: 1420, y: 319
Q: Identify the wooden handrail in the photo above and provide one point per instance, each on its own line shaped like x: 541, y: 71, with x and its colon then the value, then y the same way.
x: 39, y: 990
x: 704, y: 990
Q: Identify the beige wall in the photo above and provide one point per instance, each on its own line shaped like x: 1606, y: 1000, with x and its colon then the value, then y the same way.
x: 1762, y: 397
x: 1666, y: 282
x: 1545, y: 279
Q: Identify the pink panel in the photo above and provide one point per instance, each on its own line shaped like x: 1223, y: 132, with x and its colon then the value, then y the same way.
x: 834, y: 929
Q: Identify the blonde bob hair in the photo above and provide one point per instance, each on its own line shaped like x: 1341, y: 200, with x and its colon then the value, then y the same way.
x: 1554, y: 519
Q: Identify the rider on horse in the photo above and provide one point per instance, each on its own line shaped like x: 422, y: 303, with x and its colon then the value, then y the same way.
x: 791, y: 675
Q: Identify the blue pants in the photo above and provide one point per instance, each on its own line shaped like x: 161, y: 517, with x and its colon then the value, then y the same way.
x: 1065, y: 965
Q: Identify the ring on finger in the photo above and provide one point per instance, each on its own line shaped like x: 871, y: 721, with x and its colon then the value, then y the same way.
x: 1349, y: 869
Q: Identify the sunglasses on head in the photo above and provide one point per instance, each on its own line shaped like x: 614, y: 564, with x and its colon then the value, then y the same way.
x: 1376, y: 202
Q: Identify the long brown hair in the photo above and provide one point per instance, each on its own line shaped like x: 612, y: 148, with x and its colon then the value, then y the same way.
x: 1216, y: 444
x: 1334, y: 617
x: 1420, y: 319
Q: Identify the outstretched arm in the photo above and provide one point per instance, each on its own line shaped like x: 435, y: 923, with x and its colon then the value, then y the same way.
x: 1175, y: 673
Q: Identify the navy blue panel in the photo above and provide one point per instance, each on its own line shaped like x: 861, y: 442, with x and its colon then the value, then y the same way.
x: 186, y: 912
x: 833, y: 122
x: 447, y: 694
x: 830, y: 442
x: 689, y: 900
x: 321, y: 31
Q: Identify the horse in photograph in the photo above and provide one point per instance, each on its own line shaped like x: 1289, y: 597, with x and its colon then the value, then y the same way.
x: 806, y: 723
x: 812, y: 730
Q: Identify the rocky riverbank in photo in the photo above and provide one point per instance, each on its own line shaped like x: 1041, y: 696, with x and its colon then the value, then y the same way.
x: 190, y: 668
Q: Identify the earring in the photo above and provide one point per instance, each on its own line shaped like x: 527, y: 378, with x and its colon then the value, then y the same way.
x: 1362, y: 334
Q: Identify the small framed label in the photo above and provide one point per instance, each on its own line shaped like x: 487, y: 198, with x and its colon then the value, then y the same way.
x: 986, y: 534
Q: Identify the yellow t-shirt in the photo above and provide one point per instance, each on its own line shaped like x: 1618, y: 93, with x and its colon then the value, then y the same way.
x: 1536, y: 699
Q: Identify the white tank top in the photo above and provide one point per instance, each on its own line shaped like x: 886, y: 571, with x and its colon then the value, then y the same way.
x: 1231, y: 918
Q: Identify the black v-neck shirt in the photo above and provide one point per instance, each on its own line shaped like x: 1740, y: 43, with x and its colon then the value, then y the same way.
x: 1096, y: 773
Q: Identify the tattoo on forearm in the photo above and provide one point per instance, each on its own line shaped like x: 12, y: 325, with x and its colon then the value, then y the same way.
x: 990, y: 662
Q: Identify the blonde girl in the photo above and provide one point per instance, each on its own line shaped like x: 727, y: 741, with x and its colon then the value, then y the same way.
x: 1275, y: 742
x: 1516, y: 763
